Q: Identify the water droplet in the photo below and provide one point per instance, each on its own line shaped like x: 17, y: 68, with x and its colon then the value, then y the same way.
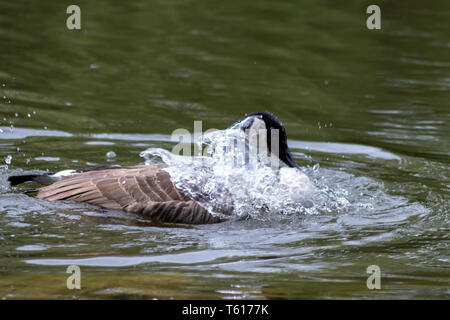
x: 94, y: 66
x: 16, y: 114
x: 29, y: 115
x: 68, y: 103
x: 111, y: 154
x: 316, y: 167
x: 45, y: 128
x: 8, y: 159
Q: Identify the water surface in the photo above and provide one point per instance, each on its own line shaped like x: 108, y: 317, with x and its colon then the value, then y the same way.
x: 367, y: 117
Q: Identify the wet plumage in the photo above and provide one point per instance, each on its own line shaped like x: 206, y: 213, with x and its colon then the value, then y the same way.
x: 145, y: 190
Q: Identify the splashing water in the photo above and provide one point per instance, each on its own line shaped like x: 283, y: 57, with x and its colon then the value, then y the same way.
x: 8, y: 159
x: 111, y: 154
x: 229, y: 183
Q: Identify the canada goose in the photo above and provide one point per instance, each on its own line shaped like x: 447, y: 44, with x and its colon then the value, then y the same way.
x: 146, y: 189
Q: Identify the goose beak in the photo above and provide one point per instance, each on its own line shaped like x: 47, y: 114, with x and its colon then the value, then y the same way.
x: 289, y: 160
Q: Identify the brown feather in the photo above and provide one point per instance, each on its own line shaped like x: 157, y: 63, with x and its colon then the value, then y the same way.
x: 145, y: 190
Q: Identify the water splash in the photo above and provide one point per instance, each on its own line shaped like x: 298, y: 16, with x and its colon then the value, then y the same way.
x: 8, y: 159
x: 228, y: 183
x: 110, y: 154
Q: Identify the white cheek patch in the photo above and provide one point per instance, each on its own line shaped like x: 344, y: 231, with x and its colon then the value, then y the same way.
x: 64, y: 173
x: 257, y: 137
x: 49, y: 179
x: 258, y: 144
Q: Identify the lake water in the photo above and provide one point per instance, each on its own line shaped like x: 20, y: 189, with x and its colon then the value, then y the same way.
x: 366, y: 111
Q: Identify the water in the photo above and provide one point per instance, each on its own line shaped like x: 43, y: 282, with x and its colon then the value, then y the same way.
x: 366, y: 113
x: 233, y: 181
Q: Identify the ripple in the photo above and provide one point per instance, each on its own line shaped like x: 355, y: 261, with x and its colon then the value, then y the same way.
x: 186, y: 258
x: 343, y: 148
x: 32, y: 247
x: 20, y: 133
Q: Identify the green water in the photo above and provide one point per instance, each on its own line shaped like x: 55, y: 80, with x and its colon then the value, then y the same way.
x: 370, y: 107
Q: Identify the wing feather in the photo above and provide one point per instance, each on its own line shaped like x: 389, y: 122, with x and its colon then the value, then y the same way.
x: 144, y: 190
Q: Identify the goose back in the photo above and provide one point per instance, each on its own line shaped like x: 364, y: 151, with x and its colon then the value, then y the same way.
x: 146, y: 190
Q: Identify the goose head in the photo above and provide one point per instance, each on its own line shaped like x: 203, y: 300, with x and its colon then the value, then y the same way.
x: 268, y: 133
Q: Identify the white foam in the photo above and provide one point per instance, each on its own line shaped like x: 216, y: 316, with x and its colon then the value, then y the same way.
x: 227, y: 183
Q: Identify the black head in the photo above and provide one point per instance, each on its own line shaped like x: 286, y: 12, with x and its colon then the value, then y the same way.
x: 267, y: 121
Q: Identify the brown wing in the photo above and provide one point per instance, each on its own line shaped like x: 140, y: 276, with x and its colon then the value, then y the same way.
x: 145, y: 190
